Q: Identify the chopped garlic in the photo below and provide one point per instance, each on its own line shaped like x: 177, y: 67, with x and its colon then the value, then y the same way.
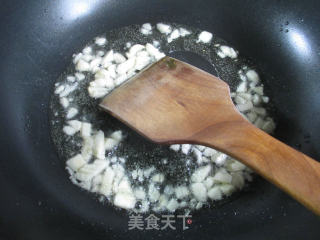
x: 97, y: 92
x: 76, y: 57
x: 86, y: 129
x: 222, y: 177
x: 200, y: 147
x: 118, y: 58
x: 174, y: 35
x: 69, y: 130
x: 163, y: 201
x: 181, y: 192
x: 172, y: 205
x: 205, y: 37
x: 164, y: 28
x: 265, y: 99
x: 87, y: 58
x: 215, y: 193
x: 75, y: 124
x: 208, y: 182
x: 156, y: 43
x: 99, y: 145
x: 240, y: 100
x: 245, y: 107
x: 142, y: 62
x: 88, y: 171
x: 184, y: 32
x: 237, y: 180
x: 268, y: 126
x: 117, y: 135
x: 87, y: 147
x: 107, y: 182
x: 146, y: 29
x: 201, y: 173
x: 71, y: 79
x: 198, y: 154
x: 94, y: 64
x: 227, y: 189
x: 185, y: 148
x: 199, y: 191
x: 258, y: 90
x: 125, y: 186
x: 107, y: 59
x: 124, y: 200
x: 135, y: 49
x: 64, y: 102
x: 169, y: 190
x: 208, y: 152
x: 260, y: 111
x: 158, y: 178
x: 259, y: 122
x: 153, y: 193
x: 87, y: 50
x: 236, y: 166
x: 220, y: 159
x: 82, y: 66
x: 256, y: 99
x: 100, y: 41
x: 253, y: 76
x: 59, y: 89
x: 68, y: 89
x: 139, y: 193
x: 148, y: 171
x: 76, y: 162
x: 110, y: 143
x: 252, y: 116
x: 119, y: 80
x: 175, y: 147
x: 154, y: 51
x: 72, y: 112
x: 126, y: 66
x: 242, y: 87
x: 226, y: 51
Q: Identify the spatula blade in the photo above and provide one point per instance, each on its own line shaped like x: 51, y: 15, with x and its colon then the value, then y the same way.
x: 170, y: 101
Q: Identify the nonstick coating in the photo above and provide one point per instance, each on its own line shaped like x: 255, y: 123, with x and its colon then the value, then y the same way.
x: 37, y: 41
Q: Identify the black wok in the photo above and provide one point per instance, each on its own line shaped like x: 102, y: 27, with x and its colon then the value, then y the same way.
x: 37, y: 41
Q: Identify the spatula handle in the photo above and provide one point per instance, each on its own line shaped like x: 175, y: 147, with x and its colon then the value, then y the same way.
x: 292, y: 171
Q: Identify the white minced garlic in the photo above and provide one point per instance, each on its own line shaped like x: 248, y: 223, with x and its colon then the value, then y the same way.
x: 216, y: 176
x: 225, y: 51
x: 146, y: 29
x: 205, y: 37
x: 164, y: 28
x: 177, y: 33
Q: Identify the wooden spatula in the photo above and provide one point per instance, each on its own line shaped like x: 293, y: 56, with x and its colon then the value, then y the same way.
x: 173, y: 102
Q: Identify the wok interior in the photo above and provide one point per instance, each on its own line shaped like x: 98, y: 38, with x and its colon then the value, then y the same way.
x: 40, y: 47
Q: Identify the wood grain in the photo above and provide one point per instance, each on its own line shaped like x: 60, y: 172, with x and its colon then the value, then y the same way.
x: 174, y: 102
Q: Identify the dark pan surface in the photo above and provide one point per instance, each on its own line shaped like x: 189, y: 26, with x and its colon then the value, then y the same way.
x: 37, y: 41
